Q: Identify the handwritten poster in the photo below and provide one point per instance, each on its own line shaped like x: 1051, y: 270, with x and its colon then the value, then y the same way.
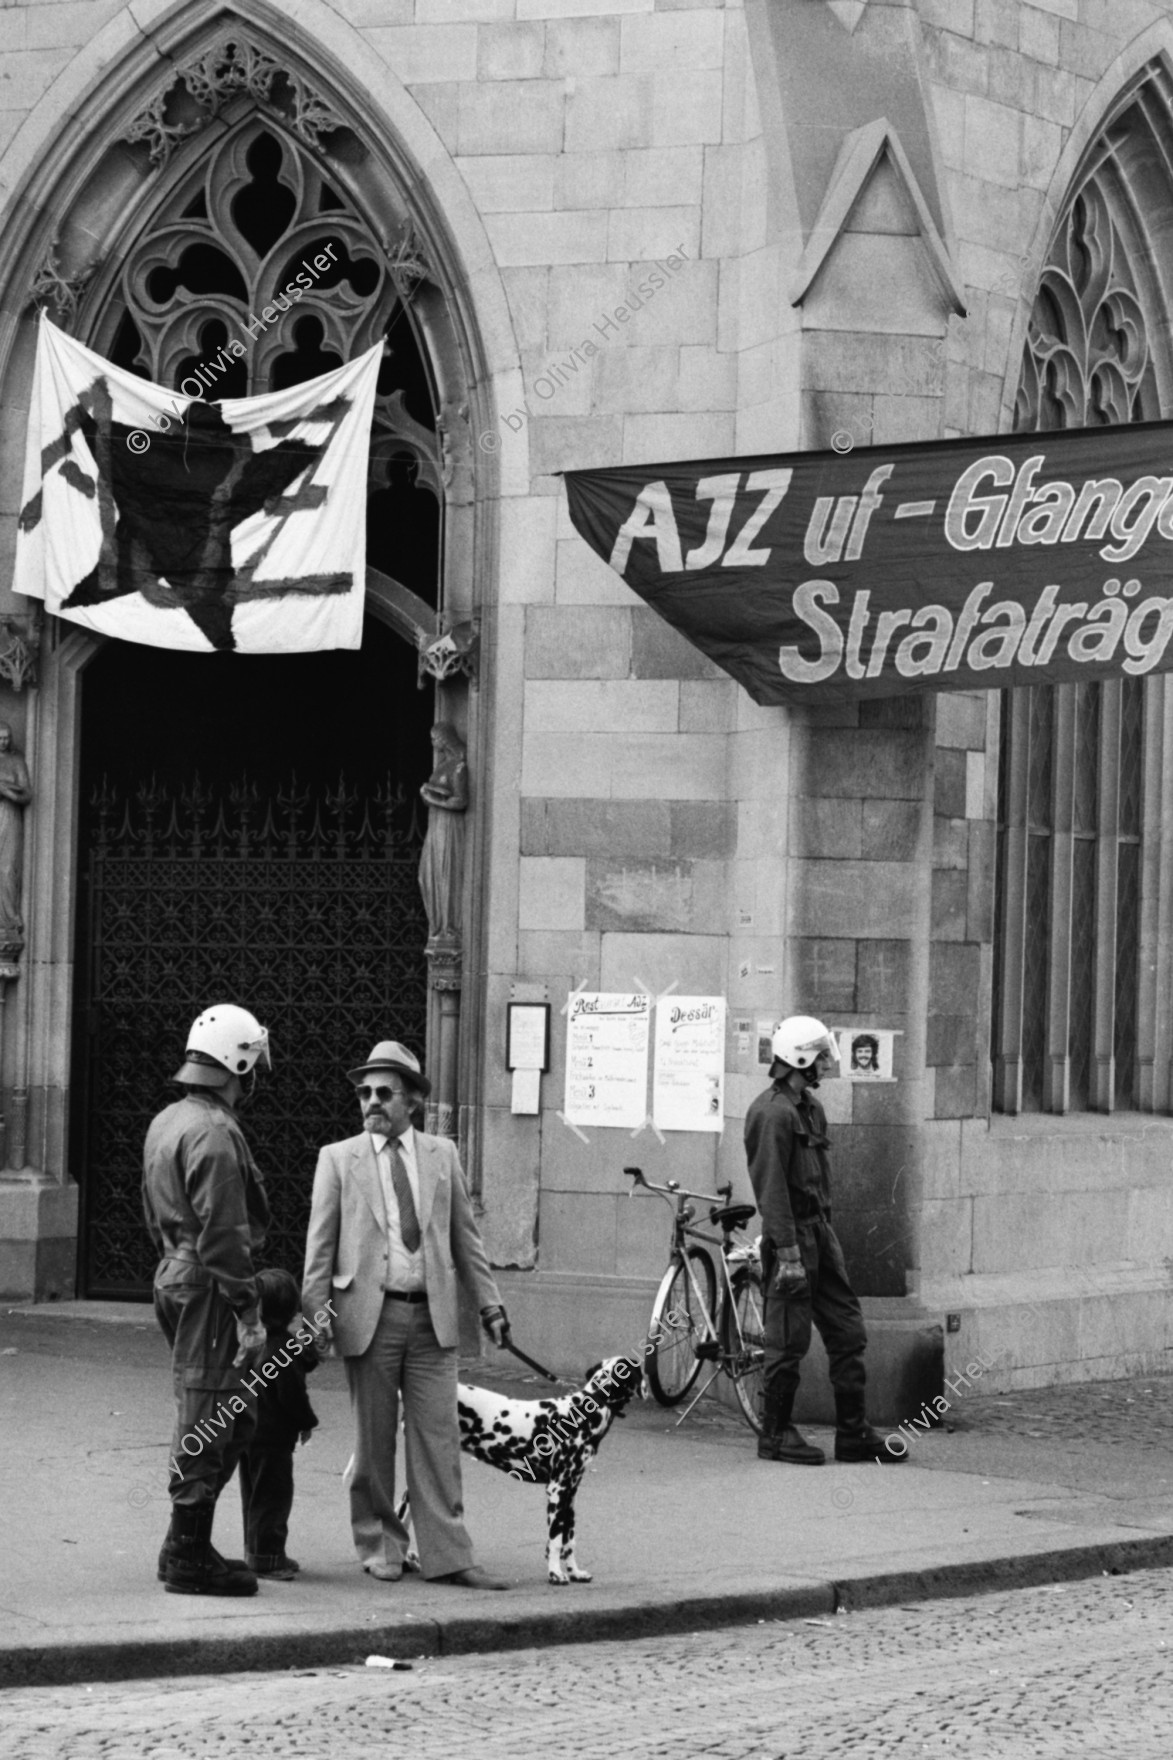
x: 607, y: 1058
x: 688, y: 1086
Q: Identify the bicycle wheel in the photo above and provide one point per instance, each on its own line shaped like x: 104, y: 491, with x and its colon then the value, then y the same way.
x: 682, y: 1319
x: 744, y: 1343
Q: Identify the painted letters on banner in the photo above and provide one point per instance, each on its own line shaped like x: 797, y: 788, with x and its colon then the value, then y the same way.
x: 163, y: 519
x: 945, y: 565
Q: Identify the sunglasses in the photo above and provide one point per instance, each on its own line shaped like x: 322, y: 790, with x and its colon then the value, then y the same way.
x: 383, y: 1093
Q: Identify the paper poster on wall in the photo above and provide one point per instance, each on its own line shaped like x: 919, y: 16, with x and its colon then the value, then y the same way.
x: 765, y: 1036
x: 688, y: 1081
x: 607, y: 1058
x: 865, y: 1053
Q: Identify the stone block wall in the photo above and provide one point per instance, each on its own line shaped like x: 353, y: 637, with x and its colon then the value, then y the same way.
x: 644, y: 820
x: 858, y: 920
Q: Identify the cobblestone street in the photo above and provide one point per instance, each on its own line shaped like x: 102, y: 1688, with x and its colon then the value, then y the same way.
x: 1057, y: 1673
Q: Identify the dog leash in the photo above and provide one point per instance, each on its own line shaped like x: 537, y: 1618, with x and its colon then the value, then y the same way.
x: 508, y: 1344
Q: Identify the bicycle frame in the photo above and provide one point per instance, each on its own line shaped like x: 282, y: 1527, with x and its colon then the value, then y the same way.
x: 683, y: 1231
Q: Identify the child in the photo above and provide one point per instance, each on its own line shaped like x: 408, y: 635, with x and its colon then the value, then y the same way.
x: 284, y: 1415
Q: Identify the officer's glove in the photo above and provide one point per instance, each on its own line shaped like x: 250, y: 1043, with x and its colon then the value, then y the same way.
x: 789, y: 1272
x: 250, y: 1338
x: 496, y: 1323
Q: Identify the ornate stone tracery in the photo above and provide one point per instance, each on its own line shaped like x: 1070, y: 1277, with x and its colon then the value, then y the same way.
x: 202, y: 85
x: 1086, y: 360
x: 228, y: 243
x: 53, y: 287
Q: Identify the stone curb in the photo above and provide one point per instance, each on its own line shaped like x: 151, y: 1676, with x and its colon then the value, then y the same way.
x: 65, y: 1663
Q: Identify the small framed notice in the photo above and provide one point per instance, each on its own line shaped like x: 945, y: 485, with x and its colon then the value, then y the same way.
x: 527, y: 1036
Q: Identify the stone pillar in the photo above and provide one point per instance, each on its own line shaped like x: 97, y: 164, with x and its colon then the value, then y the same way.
x: 444, y: 984
x: 860, y: 936
x: 442, y: 887
x: 38, y: 1212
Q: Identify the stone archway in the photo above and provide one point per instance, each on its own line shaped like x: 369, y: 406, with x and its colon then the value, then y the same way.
x: 217, y: 87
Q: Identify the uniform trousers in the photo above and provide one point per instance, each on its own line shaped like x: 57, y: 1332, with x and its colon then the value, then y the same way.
x: 829, y: 1301
x: 200, y: 1327
x: 405, y: 1358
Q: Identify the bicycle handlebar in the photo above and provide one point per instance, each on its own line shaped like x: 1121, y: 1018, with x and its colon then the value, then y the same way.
x: 674, y: 1190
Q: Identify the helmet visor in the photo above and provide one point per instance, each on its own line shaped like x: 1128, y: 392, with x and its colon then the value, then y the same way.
x: 823, y: 1050
x: 261, y: 1046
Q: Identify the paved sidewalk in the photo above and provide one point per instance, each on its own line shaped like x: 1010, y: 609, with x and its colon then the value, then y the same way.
x: 683, y: 1527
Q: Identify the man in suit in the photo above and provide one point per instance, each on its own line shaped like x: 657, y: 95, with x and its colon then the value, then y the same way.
x: 391, y: 1229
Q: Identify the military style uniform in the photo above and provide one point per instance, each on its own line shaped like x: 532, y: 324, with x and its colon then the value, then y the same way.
x: 206, y: 1208
x: 786, y: 1145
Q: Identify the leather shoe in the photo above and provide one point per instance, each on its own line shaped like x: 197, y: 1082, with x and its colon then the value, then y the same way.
x: 472, y: 1577
x: 789, y: 1444
x: 385, y: 1572
x: 281, y: 1570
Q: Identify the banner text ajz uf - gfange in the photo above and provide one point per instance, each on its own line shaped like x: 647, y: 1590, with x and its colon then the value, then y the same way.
x: 949, y: 565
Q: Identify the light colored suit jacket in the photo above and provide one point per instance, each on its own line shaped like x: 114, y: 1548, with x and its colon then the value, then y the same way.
x: 345, y: 1256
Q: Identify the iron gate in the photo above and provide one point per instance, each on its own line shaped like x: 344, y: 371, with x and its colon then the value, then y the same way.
x: 300, y: 903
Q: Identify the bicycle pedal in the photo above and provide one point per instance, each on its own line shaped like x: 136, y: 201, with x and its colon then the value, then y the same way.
x: 707, y: 1352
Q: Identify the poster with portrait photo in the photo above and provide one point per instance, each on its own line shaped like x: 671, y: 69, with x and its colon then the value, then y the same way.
x: 865, y: 1053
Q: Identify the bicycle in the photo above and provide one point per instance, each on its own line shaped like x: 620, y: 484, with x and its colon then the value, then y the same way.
x: 690, y: 1326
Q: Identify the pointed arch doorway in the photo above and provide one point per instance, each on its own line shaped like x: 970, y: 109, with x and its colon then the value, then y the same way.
x: 249, y: 828
x: 248, y: 832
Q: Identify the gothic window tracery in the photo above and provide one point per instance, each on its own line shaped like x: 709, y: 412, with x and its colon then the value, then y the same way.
x: 1086, y: 360
x: 1075, y: 1026
x: 234, y: 253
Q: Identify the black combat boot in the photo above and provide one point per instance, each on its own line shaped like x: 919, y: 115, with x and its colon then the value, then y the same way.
x: 232, y: 1564
x: 781, y: 1440
x: 193, y: 1566
x: 855, y: 1440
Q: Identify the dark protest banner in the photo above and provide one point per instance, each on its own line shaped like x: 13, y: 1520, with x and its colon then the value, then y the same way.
x: 944, y: 565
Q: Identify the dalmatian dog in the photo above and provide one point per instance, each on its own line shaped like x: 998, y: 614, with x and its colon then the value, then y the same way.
x: 547, y: 1442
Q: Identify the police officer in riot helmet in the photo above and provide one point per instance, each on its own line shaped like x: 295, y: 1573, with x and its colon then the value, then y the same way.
x: 205, y: 1206
x: 803, y: 1270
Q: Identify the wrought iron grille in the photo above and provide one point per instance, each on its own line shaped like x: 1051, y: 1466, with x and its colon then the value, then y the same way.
x: 304, y: 906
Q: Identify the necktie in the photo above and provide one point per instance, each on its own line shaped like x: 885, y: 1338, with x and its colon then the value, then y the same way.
x: 409, y: 1222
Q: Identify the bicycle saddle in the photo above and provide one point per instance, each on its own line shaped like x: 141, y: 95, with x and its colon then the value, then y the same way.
x: 731, y: 1215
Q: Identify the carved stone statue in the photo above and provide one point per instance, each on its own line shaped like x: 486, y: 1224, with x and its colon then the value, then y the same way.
x: 442, y: 861
x: 15, y: 794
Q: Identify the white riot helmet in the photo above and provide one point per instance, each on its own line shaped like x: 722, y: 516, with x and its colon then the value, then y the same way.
x: 224, y: 1041
x: 801, y: 1040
